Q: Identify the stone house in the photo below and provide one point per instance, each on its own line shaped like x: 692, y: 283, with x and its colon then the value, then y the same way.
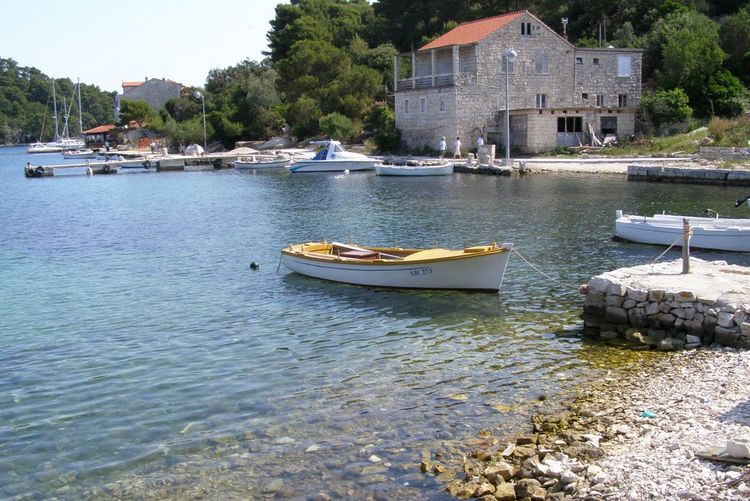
x: 155, y: 91
x: 558, y: 94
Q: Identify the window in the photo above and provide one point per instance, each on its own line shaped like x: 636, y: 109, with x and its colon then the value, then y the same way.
x: 623, y: 66
x: 600, y: 101
x: 579, y: 60
x: 406, y: 106
x: 541, y: 65
x: 442, y: 104
x: 505, y: 66
x: 541, y: 100
x: 526, y: 29
x: 570, y: 124
x: 596, y: 61
x: 585, y: 96
x: 422, y: 105
x: 622, y: 100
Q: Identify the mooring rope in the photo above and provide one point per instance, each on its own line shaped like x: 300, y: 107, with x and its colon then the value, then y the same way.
x: 541, y: 272
x: 668, y: 248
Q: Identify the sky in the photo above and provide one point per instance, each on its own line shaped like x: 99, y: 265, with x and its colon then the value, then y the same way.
x: 106, y: 43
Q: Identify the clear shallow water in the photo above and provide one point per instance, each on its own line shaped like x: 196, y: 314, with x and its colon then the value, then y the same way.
x: 141, y: 355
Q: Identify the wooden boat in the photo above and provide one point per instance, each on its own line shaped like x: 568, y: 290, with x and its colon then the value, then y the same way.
x: 262, y: 162
x: 473, y: 268
x: 333, y: 158
x: 717, y: 233
x: 414, y: 170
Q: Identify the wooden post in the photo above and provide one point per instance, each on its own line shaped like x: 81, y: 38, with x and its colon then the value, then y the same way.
x: 687, y: 232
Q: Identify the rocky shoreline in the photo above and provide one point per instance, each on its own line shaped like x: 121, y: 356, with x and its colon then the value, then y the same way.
x: 638, y: 434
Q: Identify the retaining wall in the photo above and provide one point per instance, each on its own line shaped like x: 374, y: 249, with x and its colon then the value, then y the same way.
x: 735, y: 177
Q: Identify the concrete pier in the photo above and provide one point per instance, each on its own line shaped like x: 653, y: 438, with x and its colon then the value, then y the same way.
x: 729, y: 177
x: 658, y: 306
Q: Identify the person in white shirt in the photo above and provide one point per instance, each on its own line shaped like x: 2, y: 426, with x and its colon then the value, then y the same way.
x: 443, y: 146
x: 457, y: 148
x: 480, y: 141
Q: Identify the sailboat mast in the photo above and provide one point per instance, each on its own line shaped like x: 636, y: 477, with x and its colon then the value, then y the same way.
x: 54, y: 107
x: 80, y: 118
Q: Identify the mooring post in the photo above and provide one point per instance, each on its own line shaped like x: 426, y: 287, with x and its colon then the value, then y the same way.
x: 687, y: 232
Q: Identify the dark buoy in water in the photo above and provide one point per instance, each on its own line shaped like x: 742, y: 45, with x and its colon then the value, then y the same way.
x: 254, y: 265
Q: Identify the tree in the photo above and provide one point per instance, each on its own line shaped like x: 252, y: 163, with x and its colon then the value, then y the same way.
x: 666, y: 106
x: 735, y: 40
x: 336, y: 126
x: 137, y: 111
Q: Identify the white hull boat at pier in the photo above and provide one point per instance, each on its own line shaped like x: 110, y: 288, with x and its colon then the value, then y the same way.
x: 84, y: 153
x: 715, y: 233
x: 414, y: 170
x: 261, y: 162
x: 334, y: 158
x: 43, y: 148
x: 473, y: 268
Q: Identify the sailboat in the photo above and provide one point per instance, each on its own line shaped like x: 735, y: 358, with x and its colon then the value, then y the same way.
x: 61, y: 142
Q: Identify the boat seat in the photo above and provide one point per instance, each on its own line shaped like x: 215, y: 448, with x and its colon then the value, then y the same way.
x: 359, y: 254
x: 432, y: 254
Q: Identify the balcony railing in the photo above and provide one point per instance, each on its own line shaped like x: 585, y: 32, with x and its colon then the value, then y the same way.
x: 442, y: 80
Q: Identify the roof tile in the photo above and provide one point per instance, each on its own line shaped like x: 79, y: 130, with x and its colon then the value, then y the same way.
x: 472, y: 31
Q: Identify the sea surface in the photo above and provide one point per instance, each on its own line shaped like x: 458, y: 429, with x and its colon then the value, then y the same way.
x: 141, y: 356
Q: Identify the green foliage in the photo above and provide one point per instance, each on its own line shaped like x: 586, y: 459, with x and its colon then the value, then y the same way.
x: 304, y: 114
x: 336, y: 126
x: 666, y: 106
x: 381, y: 123
x: 137, y: 111
x: 723, y: 95
x: 735, y: 40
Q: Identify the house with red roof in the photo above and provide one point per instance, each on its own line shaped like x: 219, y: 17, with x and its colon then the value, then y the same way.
x: 558, y: 94
x: 155, y: 91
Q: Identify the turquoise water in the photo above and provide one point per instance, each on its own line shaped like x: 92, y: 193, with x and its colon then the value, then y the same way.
x: 141, y: 355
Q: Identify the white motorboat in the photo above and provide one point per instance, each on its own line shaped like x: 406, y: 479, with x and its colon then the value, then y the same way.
x: 472, y: 268
x: 716, y: 233
x: 43, y: 148
x: 83, y: 153
x: 262, y: 162
x: 332, y: 157
x: 414, y: 170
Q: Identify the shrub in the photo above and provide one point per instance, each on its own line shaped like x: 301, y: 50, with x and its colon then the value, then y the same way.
x: 666, y: 106
x: 337, y: 126
x: 381, y: 122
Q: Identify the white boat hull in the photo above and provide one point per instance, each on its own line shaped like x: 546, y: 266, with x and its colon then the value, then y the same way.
x: 261, y: 164
x: 82, y: 154
x: 708, y: 233
x: 332, y: 165
x: 414, y: 170
x: 482, y: 272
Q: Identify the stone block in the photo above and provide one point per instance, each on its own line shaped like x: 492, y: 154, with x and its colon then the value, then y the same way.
x: 665, y: 307
x: 652, y: 308
x: 744, y: 342
x: 629, y: 303
x: 637, y: 295
x: 745, y: 329
x: 709, y: 323
x: 657, y: 335
x: 679, y: 313
x: 726, y: 337
x: 726, y: 319
x: 694, y: 327
x: 616, y: 315
x: 609, y: 335
x: 655, y: 295
x: 616, y: 288
x: 599, y: 285
x: 670, y: 344
x: 740, y: 317
x: 595, y: 309
x: 690, y: 313
x: 595, y: 297
x: 661, y: 321
x: 685, y: 296
x: 613, y: 300
x: 637, y: 317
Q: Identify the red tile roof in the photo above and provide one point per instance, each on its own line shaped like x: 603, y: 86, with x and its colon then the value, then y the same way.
x: 101, y: 129
x: 131, y: 84
x: 473, y: 31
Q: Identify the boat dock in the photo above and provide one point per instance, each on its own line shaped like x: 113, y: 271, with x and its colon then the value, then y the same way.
x: 148, y: 163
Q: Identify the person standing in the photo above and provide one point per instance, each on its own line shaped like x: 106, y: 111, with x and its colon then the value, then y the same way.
x: 442, y: 147
x: 480, y: 141
x: 457, y: 148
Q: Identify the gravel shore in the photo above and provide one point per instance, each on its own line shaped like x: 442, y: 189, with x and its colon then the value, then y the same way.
x: 699, y: 400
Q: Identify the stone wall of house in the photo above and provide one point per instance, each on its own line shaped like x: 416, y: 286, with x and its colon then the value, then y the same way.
x: 155, y: 91
x: 478, y: 94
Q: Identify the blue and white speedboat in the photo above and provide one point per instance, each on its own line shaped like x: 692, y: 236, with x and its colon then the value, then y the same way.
x: 332, y: 157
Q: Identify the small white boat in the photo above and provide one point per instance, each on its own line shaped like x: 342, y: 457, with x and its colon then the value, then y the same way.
x: 332, y: 157
x: 716, y: 233
x: 43, y: 148
x: 472, y: 268
x: 414, y: 170
x: 262, y: 162
x: 82, y: 153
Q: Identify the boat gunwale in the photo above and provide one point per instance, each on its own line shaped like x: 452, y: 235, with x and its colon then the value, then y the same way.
x: 331, y: 258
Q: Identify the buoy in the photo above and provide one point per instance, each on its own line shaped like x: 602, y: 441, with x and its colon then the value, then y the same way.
x: 254, y: 265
